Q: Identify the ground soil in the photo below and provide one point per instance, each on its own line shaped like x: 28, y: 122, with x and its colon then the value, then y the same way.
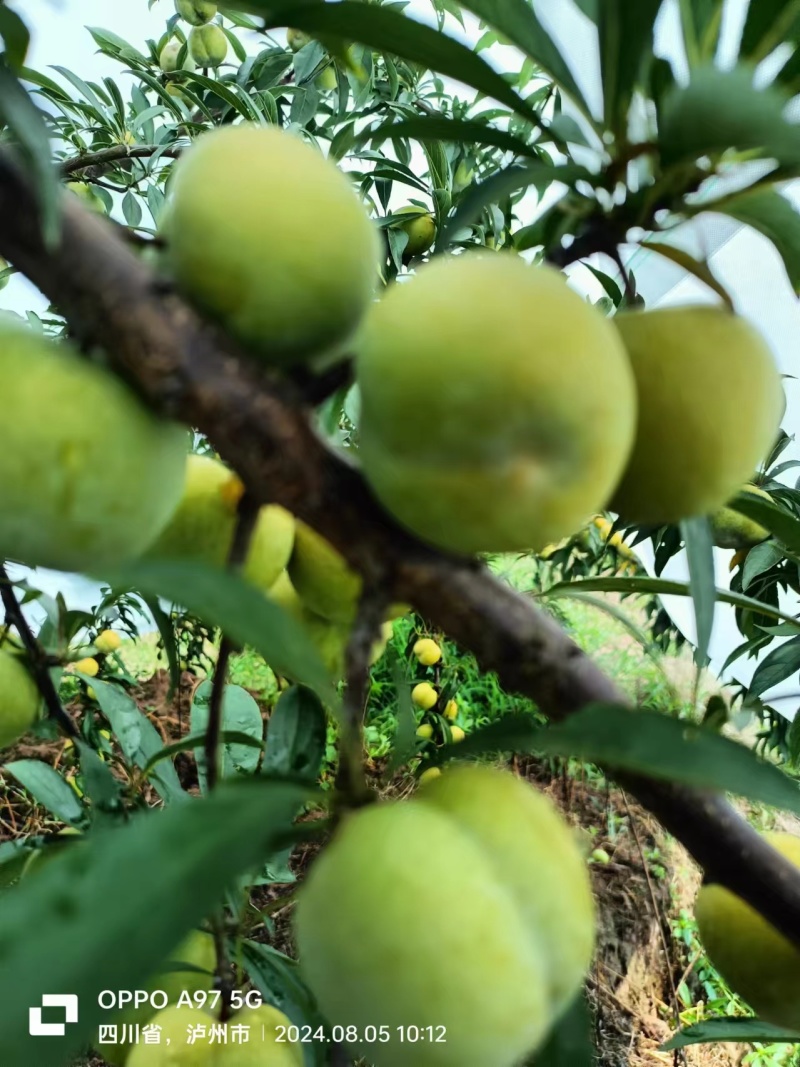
x: 638, y: 964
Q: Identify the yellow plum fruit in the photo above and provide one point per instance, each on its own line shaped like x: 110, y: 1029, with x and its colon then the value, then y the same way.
x: 88, y: 666
x: 421, y: 230
x: 498, y: 967
x: 196, y: 12
x: 710, y: 403
x: 456, y: 734
x: 268, y: 1045
x: 294, y: 251
x: 88, y: 475
x: 731, y: 529
x: 425, y: 731
x: 107, y: 641
x: 758, y: 962
x: 175, y: 1048
x: 427, y: 651
x: 197, y: 950
x: 322, y: 578
x: 424, y: 696
x: 20, y: 702
x: 203, y: 524
x: 208, y: 46
x: 497, y: 407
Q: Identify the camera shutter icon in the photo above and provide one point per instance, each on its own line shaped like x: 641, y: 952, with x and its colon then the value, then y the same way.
x: 67, y: 1001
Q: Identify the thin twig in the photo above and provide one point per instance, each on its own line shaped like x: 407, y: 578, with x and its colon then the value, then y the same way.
x: 37, y: 656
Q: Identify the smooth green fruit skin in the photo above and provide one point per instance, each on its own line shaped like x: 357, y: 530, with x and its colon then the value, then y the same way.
x: 731, y: 529
x: 497, y: 966
x: 89, y: 197
x: 710, y: 402
x: 174, y: 1050
x: 421, y: 230
x: 498, y: 407
x: 198, y: 951
x: 202, y: 526
x: 758, y: 963
x: 270, y: 238
x: 20, y: 702
x: 196, y: 12
x: 88, y: 475
x: 168, y: 59
x: 208, y: 46
x: 322, y: 578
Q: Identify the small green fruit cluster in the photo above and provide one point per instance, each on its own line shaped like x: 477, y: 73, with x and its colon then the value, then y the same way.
x: 499, y: 410
x: 503, y: 960
x: 294, y: 251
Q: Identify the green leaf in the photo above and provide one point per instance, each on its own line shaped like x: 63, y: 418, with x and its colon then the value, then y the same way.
x: 699, y: 269
x: 759, y: 559
x: 138, y: 738
x: 296, y: 735
x: 701, y: 21
x: 570, y: 1043
x: 781, y: 663
x: 194, y: 741
x: 224, y: 599
x: 769, y: 24
x: 774, y: 215
x: 517, y: 21
x: 663, y: 587
x: 240, y: 713
x: 27, y: 126
x: 16, y: 38
x: 626, y: 47
x: 167, y: 633
x: 696, y: 534
x: 388, y: 31
x: 102, y: 788
x: 720, y: 110
x: 782, y: 525
x: 459, y: 131
x: 502, y: 184
x: 735, y: 1029
x: 49, y: 789
x: 278, y: 980
x: 641, y: 742
x: 106, y: 915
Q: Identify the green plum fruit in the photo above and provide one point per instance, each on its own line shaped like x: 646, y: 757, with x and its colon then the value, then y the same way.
x: 267, y: 1046
x: 731, y: 529
x: 296, y: 39
x: 170, y: 54
x: 294, y: 252
x: 421, y: 230
x: 196, y: 12
x: 176, y: 1025
x: 203, y: 524
x: 498, y: 966
x: 208, y: 46
x: 498, y: 408
x: 20, y: 703
x: 326, y: 81
x: 198, y: 951
x: 88, y: 475
x: 86, y: 193
x: 760, y: 964
x: 710, y: 402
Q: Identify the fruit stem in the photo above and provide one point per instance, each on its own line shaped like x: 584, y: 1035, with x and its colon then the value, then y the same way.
x: 37, y: 656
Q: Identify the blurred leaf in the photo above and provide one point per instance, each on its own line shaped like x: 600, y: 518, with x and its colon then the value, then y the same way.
x: 734, y: 1029
x: 780, y: 664
x: 639, y: 741
x: 700, y: 270
x: 774, y: 215
x: 785, y: 527
x: 570, y: 1043
x: 663, y: 587
x: 106, y: 915
x: 27, y: 126
x: 433, y: 128
x: 102, y: 788
x: 702, y: 22
x: 389, y: 31
x: 240, y: 714
x: 720, y: 110
x: 138, y: 738
x: 167, y: 634
x: 16, y: 38
x: 626, y: 46
x: 696, y: 534
x: 48, y: 788
x: 223, y: 599
x: 502, y: 184
x: 769, y: 24
x: 296, y: 734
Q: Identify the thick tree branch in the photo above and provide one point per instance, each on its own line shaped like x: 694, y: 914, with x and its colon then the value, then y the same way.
x: 187, y: 369
x: 114, y: 154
